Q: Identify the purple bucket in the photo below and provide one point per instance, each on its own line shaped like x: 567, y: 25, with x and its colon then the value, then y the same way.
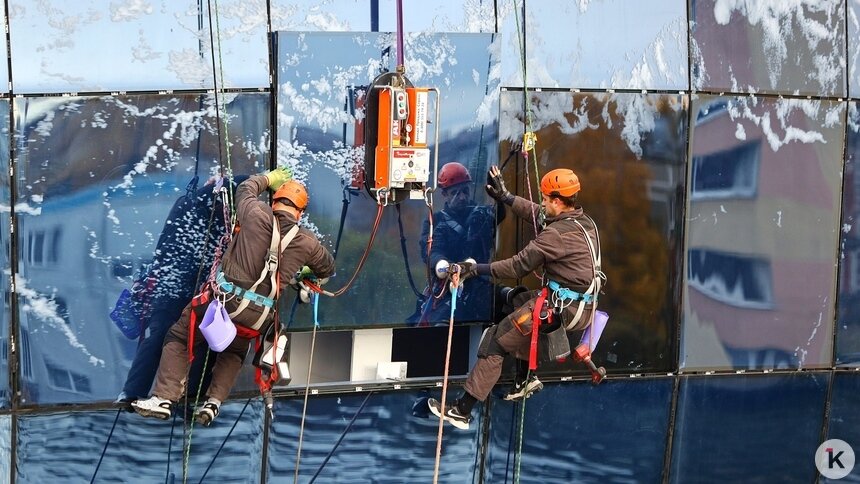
x: 216, y: 327
x: 593, y: 332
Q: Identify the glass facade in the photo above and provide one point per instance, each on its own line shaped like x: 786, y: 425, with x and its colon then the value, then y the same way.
x: 715, y: 141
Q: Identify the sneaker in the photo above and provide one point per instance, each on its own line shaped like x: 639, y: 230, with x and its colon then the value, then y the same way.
x: 153, y: 407
x: 523, y: 390
x: 452, y: 414
x: 207, y: 412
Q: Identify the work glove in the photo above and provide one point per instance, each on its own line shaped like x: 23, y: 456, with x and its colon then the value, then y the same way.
x: 496, y: 187
x: 468, y: 268
x: 277, y: 177
x: 305, y: 273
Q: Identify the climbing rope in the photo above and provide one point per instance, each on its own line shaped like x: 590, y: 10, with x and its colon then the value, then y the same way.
x: 455, y: 283
x: 315, y: 297
x: 203, y: 477
x: 101, y: 457
x: 340, y: 439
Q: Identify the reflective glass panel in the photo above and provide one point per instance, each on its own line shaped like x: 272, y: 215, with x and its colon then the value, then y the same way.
x: 848, y: 315
x: 5, y: 252
x: 628, y: 151
x: 4, y: 65
x: 760, y: 280
x: 70, y: 445
x: 322, y: 79
x: 106, y: 202
x: 5, y: 451
x: 325, y: 15
x: 853, y: 49
x: 844, y: 423
x: 784, y: 47
x: 64, y: 46
x: 725, y: 424
x: 613, y: 44
x: 375, y: 437
x: 616, y: 434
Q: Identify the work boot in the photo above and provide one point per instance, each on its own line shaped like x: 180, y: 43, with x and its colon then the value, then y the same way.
x: 452, y: 414
x: 207, y: 412
x: 524, y: 389
x: 153, y: 407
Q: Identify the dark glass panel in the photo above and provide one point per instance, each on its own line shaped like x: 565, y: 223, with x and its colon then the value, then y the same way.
x: 844, y: 422
x: 102, y: 206
x: 758, y: 428
x: 5, y: 256
x: 70, y: 445
x: 5, y: 447
x: 386, y: 438
x: 848, y: 310
x: 784, y: 47
x: 319, y: 101
x: 760, y: 280
x: 579, y: 433
x: 628, y: 151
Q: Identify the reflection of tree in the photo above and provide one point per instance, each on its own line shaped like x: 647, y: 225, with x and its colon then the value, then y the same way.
x: 637, y: 257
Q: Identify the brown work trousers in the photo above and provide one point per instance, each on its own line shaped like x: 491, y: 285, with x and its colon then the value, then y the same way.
x: 173, y: 369
x: 505, y: 339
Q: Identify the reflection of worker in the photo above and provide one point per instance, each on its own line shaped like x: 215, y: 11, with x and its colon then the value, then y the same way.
x: 570, y: 261
x: 182, y: 260
x: 461, y: 229
x: 252, y: 266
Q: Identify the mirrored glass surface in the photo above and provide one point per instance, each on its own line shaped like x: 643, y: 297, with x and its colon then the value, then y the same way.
x: 123, y: 46
x: 374, y: 437
x: 5, y: 253
x: 787, y: 47
x: 607, y: 44
x: 628, y: 151
x: 326, y: 15
x: 760, y: 281
x: 70, y: 446
x: 322, y: 81
x: 724, y: 423
x: 4, y: 65
x: 853, y: 49
x: 5, y: 446
x: 114, y: 206
x: 617, y: 432
x: 844, y: 422
x: 848, y: 311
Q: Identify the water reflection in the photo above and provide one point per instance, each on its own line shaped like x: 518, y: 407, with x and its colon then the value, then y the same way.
x: 760, y: 283
x: 90, y: 215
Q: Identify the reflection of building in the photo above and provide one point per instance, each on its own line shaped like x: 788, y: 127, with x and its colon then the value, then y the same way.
x: 754, y: 270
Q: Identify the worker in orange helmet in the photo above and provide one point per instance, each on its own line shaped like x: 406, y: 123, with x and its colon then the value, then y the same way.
x: 267, y: 253
x: 568, y: 250
x: 461, y: 229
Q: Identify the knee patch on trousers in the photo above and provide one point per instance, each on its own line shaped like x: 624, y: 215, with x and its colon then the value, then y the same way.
x: 489, y: 346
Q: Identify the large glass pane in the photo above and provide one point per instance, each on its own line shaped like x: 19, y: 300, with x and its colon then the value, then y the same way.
x: 628, y: 151
x: 779, y: 47
x: 848, y: 316
x: 115, y: 446
x: 107, y: 202
x: 4, y: 65
x: 375, y: 437
x: 5, y: 253
x: 763, y: 227
x: 5, y: 450
x: 325, y: 15
x: 319, y: 100
x: 853, y: 49
x: 612, y: 44
x: 617, y: 433
x: 93, y: 45
x: 844, y: 422
x: 760, y: 428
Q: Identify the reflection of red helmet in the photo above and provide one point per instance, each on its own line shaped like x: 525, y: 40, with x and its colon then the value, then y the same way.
x: 560, y: 182
x: 453, y: 173
x: 294, y: 192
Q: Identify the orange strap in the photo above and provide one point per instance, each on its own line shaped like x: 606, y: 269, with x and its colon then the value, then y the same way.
x: 539, y: 303
x: 201, y: 299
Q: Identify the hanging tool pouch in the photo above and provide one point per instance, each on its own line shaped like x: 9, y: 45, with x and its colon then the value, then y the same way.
x: 553, y: 343
x: 272, y: 351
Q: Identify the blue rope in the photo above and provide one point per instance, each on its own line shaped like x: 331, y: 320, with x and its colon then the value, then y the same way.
x: 316, y: 298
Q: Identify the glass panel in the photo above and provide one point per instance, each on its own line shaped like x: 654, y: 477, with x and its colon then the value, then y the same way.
x: 787, y: 47
x: 615, y: 44
x: 60, y: 47
x: 853, y: 49
x: 4, y: 65
x: 5, y: 259
x: 844, y: 423
x: 617, y: 433
x: 848, y: 324
x: 726, y: 424
x: 69, y: 446
x: 319, y: 140
x: 5, y: 450
x: 387, y: 437
x: 325, y: 15
x: 760, y: 282
x: 101, y: 182
x: 627, y: 149
x: 439, y: 16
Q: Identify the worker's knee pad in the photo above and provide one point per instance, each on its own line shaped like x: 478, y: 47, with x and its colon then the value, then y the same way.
x: 489, y: 346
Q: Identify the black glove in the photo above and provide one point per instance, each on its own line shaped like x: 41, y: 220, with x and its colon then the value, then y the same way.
x: 496, y: 188
x: 468, y: 268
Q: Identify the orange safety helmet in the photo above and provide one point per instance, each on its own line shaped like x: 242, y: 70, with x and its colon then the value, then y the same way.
x: 294, y: 192
x: 560, y: 182
x: 453, y: 173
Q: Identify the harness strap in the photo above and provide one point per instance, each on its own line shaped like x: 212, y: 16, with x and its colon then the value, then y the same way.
x: 198, y: 300
x: 536, y: 319
x: 597, y: 276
